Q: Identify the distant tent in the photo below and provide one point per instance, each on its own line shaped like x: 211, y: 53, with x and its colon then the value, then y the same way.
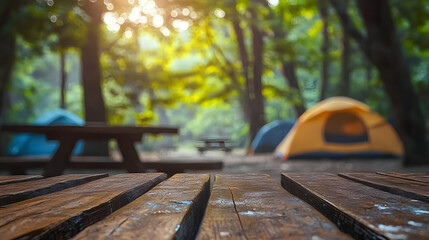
x: 30, y: 144
x: 270, y: 135
x: 340, y: 127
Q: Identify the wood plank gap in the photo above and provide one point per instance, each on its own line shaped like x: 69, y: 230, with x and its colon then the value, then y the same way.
x: 25, y: 190
x: 18, y: 178
x: 191, y: 223
x: 344, y: 221
x: 407, y: 177
x: 417, y: 190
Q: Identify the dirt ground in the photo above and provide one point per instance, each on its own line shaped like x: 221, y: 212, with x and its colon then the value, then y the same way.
x: 238, y: 162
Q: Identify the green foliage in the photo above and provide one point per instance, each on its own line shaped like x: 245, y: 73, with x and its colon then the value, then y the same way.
x: 187, y: 71
x: 34, y: 87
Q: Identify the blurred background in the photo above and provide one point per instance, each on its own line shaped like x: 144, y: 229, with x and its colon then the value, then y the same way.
x: 217, y: 68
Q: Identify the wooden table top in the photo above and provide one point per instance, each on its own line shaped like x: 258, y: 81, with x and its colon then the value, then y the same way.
x: 381, y: 205
x: 90, y: 128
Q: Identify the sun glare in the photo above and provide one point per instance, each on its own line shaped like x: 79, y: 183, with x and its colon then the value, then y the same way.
x: 135, y: 15
x: 138, y: 15
x: 147, y: 12
x: 180, y: 25
x: 128, y: 33
x: 148, y: 7
x: 158, y: 21
x: 273, y: 3
x: 219, y: 13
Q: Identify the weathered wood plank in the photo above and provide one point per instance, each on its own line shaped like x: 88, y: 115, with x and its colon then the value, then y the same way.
x: 171, y: 210
x: 63, y: 214
x: 418, y: 177
x: 403, y: 187
x: 362, y: 211
x: 254, y: 206
x: 21, y: 191
x: 18, y: 178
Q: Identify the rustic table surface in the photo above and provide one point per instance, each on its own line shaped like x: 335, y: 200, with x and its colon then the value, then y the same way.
x: 237, y: 206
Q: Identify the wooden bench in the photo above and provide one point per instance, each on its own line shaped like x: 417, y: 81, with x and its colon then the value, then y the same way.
x: 67, y: 136
x: 223, y: 144
x: 237, y: 206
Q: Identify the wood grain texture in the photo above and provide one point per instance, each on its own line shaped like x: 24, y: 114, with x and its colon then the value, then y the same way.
x: 362, y: 211
x: 411, y: 189
x: 418, y: 177
x: 254, y: 206
x: 63, y: 214
x: 18, y: 178
x: 171, y: 210
x: 25, y: 190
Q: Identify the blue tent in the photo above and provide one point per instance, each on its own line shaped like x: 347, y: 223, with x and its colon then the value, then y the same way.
x: 270, y: 135
x: 30, y: 144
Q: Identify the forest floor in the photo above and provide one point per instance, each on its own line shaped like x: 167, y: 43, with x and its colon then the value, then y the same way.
x: 237, y: 162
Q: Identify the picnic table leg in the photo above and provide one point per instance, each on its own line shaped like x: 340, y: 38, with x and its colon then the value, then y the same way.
x: 59, y: 161
x: 130, y: 157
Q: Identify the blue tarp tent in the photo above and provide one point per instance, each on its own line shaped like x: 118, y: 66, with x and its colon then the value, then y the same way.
x: 270, y: 136
x: 30, y: 144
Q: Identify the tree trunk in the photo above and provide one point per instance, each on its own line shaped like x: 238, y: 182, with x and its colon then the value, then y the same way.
x: 288, y: 70
x: 7, y: 49
x: 288, y: 67
x: 323, y: 10
x: 7, y: 59
x: 385, y: 51
x: 383, y: 48
x: 63, y: 80
x: 254, y: 86
x: 254, y: 109
x: 344, y: 89
x: 91, y: 78
x: 244, y: 58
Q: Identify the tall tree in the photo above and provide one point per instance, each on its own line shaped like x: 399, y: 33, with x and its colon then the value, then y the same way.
x: 95, y: 110
x: 63, y: 77
x: 252, y: 69
x: 91, y: 74
x: 382, y: 46
x: 323, y: 11
x: 254, y: 86
x: 288, y: 67
x: 7, y: 50
x: 344, y: 88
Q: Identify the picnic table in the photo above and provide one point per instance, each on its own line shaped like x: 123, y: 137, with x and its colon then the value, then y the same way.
x: 214, y: 144
x: 236, y: 206
x: 125, y: 136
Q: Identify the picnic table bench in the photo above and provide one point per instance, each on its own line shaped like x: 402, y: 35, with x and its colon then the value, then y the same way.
x: 223, y: 144
x: 125, y: 136
x: 236, y: 206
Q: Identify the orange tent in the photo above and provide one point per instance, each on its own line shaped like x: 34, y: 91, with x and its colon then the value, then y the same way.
x: 340, y: 127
